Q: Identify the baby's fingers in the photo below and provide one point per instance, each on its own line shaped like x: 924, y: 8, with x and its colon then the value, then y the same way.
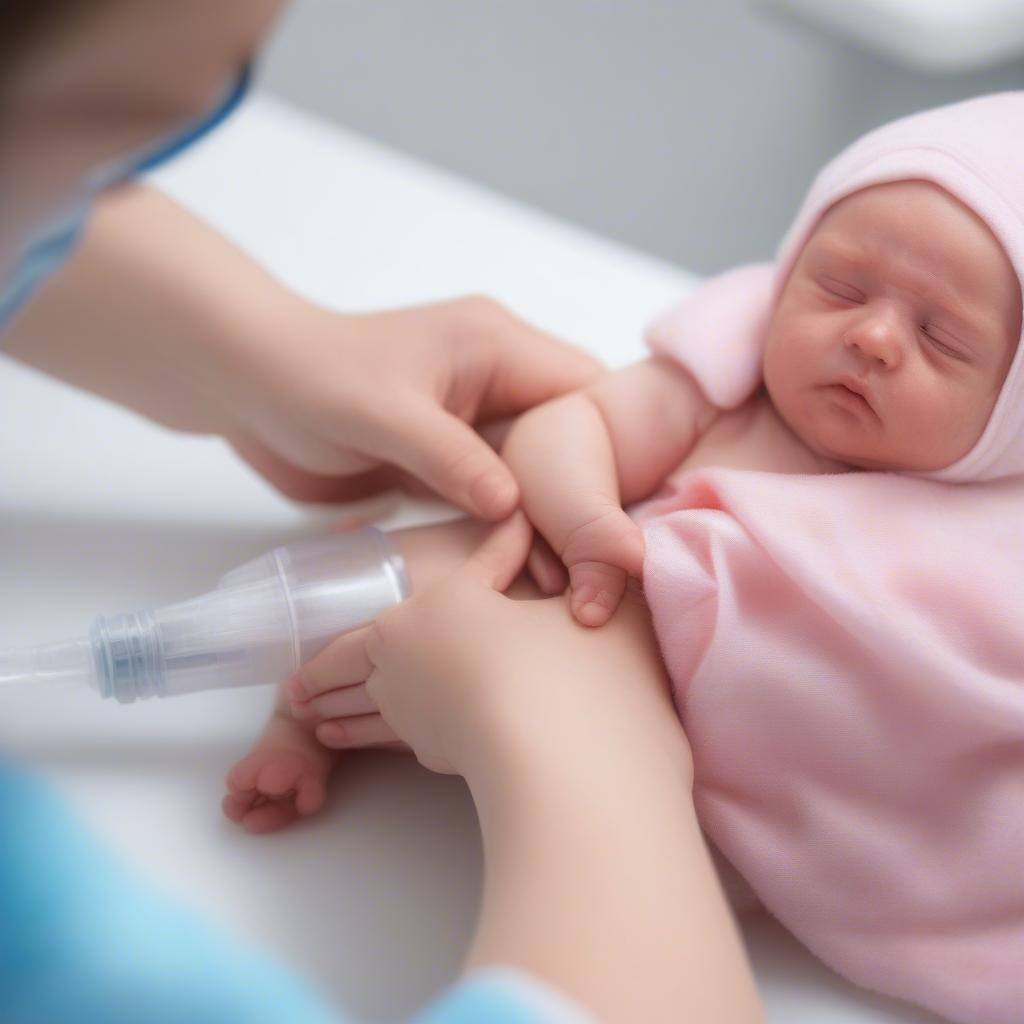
x: 609, y: 537
x: 597, y: 589
x: 546, y: 567
x: 600, y: 554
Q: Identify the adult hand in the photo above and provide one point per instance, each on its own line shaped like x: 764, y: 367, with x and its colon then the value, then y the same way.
x: 459, y: 668
x: 337, y: 399
x: 195, y: 335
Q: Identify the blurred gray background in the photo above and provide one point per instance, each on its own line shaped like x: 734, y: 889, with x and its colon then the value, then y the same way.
x: 687, y: 129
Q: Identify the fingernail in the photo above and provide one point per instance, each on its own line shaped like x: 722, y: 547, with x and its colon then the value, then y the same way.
x: 592, y: 614
x: 331, y: 735
x: 495, y: 494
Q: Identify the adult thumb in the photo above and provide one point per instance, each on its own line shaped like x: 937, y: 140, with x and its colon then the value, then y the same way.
x: 448, y: 455
x: 502, y: 555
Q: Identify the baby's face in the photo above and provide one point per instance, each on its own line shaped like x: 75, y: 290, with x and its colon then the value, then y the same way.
x: 895, y: 330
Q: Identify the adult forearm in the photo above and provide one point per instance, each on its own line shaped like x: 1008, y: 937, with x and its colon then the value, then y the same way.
x: 598, y: 879
x: 151, y: 312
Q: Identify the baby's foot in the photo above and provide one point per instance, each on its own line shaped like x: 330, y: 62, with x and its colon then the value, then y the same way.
x: 284, y: 777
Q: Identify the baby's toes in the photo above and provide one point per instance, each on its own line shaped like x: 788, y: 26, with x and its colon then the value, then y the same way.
x: 281, y: 774
x: 241, y: 780
x: 235, y: 805
x: 310, y: 793
x: 287, y: 795
x: 597, y: 590
x: 269, y: 816
x: 270, y: 788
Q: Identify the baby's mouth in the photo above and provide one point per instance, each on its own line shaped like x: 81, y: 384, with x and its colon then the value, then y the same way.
x: 853, y: 393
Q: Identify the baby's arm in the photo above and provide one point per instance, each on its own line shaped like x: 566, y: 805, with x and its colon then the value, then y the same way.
x: 579, y: 458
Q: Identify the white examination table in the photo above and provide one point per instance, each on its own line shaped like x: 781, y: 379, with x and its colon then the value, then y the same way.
x: 101, y: 511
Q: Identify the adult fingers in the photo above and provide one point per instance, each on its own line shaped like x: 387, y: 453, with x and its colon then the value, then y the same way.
x: 302, y: 485
x: 344, y: 703
x: 502, y: 555
x: 546, y: 568
x: 531, y: 365
x: 355, y: 733
x: 447, y: 454
x: 343, y: 662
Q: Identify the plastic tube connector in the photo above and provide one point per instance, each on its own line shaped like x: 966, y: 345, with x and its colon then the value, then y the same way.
x: 263, y: 620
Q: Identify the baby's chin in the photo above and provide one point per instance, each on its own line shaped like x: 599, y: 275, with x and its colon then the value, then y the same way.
x: 843, y: 454
x: 876, y: 460
x: 843, y: 446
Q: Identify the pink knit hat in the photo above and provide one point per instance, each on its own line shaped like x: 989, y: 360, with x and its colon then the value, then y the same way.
x: 975, y: 151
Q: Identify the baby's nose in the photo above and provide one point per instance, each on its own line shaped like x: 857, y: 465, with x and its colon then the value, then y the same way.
x: 877, y: 336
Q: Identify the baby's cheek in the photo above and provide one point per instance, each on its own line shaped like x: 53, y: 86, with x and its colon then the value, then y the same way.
x: 974, y: 416
x: 787, y: 375
x: 797, y: 339
x: 940, y: 424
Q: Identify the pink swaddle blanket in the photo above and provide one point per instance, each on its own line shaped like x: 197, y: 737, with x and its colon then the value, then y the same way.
x: 847, y: 650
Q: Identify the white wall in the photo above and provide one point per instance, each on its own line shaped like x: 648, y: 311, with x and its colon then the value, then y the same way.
x: 688, y: 129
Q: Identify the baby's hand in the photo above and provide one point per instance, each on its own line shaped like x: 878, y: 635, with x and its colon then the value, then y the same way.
x: 572, y: 480
x: 600, y: 553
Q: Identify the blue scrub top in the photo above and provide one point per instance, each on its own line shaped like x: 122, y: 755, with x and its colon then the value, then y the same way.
x: 83, y: 940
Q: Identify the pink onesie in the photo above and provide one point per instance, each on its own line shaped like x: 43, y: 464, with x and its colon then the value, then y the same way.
x: 847, y: 650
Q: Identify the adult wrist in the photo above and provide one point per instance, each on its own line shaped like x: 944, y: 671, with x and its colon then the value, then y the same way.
x: 245, y: 352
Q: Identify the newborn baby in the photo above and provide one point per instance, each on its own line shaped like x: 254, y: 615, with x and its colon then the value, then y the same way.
x: 886, y: 350
x: 880, y: 354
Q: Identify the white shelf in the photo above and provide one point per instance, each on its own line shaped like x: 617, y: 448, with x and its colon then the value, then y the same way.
x: 937, y: 36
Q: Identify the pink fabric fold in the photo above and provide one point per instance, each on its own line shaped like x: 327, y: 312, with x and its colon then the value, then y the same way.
x: 718, y: 333
x: 847, y: 651
x: 846, y: 654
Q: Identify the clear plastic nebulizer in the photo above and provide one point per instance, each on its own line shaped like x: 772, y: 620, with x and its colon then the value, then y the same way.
x: 263, y: 620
